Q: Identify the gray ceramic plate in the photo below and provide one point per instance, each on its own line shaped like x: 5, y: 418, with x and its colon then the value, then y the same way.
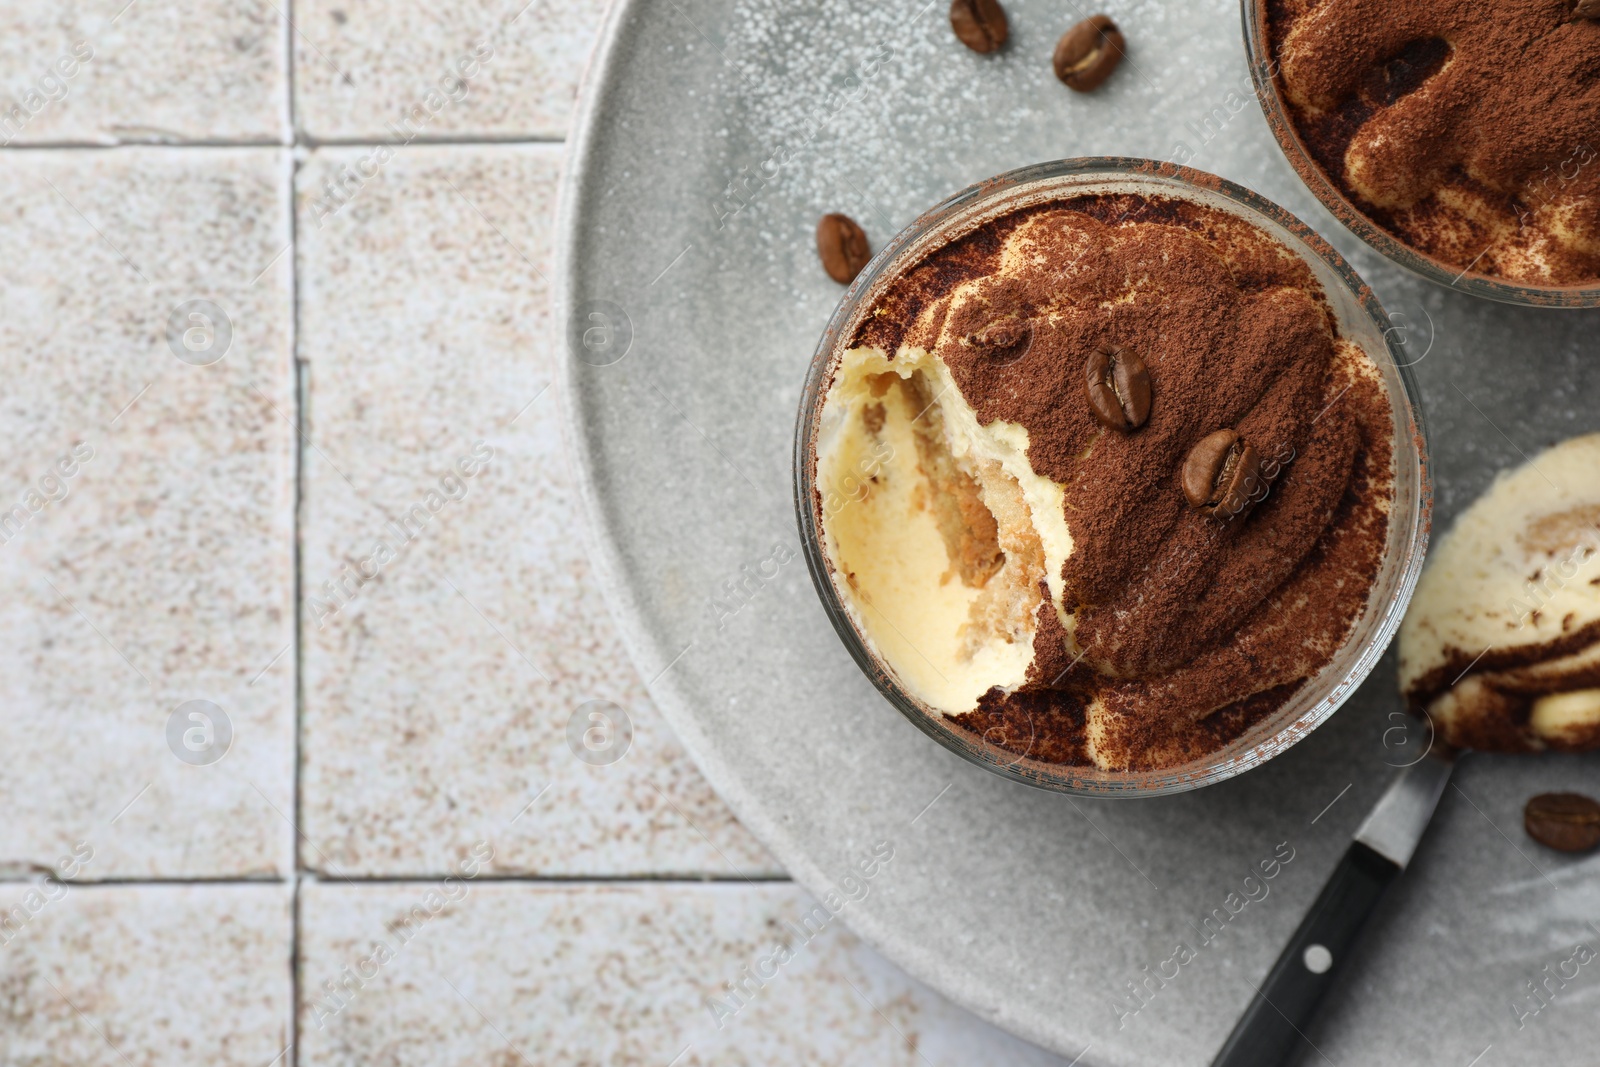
x: 712, y: 135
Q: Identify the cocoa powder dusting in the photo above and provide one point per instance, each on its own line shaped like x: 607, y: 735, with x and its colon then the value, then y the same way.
x: 1191, y: 629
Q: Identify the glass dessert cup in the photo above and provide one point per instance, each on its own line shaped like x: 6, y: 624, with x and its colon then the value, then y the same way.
x: 1263, y: 70
x: 1360, y: 319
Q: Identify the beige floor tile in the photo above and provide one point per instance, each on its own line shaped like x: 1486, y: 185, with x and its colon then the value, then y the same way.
x: 440, y: 688
x: 99, y: 72
x: 146, y: 510
x: 404, y: 69
x: 511, y: 974
x: 144, y: 976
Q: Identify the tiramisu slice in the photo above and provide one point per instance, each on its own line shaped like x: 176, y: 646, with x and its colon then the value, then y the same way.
x: 1501, y: 646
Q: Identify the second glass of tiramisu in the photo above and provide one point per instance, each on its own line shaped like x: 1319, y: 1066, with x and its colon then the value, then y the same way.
x: 1459, y: 138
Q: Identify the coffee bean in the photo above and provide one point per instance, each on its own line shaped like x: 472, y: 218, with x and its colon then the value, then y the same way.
x: 1202, y: 468
x: 979, y: 24
x: 1001, y: 333
x: 1566, y: 821
x: 843, y: 247
x: 1586, y: 9
x: 1088, y: 53
x: 1117, y: 384
x: 1221, y: 474
x: 1005, y: 338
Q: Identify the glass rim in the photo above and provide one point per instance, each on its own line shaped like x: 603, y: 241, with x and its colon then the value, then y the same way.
x: 1258, y: 55
x: 931, y: 230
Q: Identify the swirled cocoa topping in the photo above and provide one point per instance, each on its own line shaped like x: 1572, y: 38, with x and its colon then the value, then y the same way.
x: 1469, y: 130
x: 1188, y: 624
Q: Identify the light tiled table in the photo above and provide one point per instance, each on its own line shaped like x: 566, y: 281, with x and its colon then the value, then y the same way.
x: 399, y: 858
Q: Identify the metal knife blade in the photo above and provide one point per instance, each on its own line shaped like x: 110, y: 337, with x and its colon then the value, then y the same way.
x: 1396, y: 823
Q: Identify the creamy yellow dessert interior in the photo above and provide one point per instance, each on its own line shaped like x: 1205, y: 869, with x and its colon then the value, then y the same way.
x: 917, y: 487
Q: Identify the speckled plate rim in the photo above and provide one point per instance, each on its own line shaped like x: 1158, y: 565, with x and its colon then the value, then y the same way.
x: 674, y: 702
x: 1306, y: 710
x: 1258, y: 56
x: 575, y: 192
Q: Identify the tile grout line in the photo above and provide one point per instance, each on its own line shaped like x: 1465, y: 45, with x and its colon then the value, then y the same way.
x: 296, y: 140
x: 298, y: 691
x: 419, y: 878
x: 443, y: 140
x: 288, y: 103
x: 301, y: 390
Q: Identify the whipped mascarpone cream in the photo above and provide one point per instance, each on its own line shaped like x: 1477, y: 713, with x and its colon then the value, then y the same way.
x: 900, y: 451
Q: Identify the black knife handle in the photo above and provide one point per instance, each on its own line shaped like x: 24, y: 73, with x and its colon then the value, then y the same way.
x: 1270, y: 1029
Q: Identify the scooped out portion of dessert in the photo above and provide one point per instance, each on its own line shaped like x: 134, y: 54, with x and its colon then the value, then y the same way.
x: 945, y: 556
x: 1101, y: 482
x: 1501, y: 647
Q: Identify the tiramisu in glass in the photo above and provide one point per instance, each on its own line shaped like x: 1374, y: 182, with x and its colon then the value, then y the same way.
x: 1102, y: 481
